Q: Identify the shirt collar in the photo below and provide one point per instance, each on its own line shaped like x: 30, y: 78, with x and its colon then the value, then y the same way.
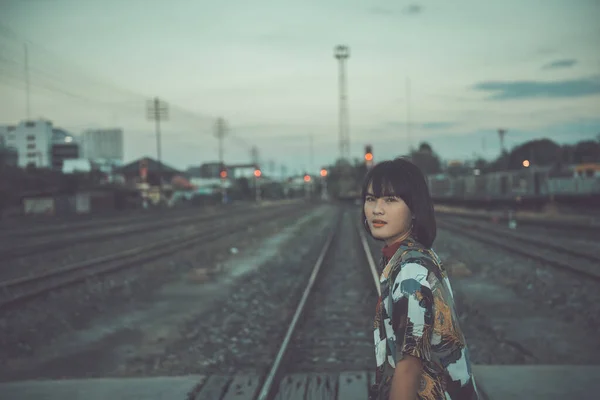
x: 389, y: 251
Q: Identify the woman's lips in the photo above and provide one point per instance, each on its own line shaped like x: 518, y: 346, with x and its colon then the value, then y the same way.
x: 378, y: 223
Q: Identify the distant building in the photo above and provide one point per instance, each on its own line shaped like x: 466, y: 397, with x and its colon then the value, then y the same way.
x: 103, y: 144
x: 62, y: 152
x: 81, y: 165
x: 132, y: 172
x: 8, y: 155
x: 64, y: 147
x: 31, y: 140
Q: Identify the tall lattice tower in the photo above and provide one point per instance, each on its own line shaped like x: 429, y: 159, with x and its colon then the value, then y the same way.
x: 501, y: 134
x: 342, y: 53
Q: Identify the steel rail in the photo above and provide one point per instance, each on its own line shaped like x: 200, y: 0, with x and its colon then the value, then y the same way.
x: 268, y: 385
x: 370, y: 260
x: 532, y: 248
x: 78, y: 272
x: 25, y: 249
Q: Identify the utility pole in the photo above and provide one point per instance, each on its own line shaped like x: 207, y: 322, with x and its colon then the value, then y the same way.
x: 272, y: 167
x: 254, y: 155
x: 157, y: 111
x: 342, y: 53
x: 501, y: 133
x: 28, y: 101
x: 220, y: 134
x: 257, y: 172
x: 408, y: 136
x: 311, y: 154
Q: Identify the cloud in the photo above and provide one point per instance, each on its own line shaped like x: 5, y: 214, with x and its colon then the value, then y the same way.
x: 437, y: 125
x: 413, y: 9
x: 511, y: 90
x: 564, y: 63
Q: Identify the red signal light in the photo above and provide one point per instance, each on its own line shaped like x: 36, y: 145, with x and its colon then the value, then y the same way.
x: 306, y: 178
x: 223, y: 174
x: 257, y: 173
x: 323, y: 172
x: 369, y: 156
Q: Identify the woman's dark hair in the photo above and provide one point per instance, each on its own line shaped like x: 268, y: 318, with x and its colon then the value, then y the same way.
x: 403, y: 179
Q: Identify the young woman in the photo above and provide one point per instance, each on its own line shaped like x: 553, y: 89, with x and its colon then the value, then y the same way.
x: 420, y: 350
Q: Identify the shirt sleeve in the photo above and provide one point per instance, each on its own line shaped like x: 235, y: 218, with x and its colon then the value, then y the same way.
x: 412, y: 312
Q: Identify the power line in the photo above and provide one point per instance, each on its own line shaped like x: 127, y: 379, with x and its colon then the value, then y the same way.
x: 10, y: 34
x: 55, y: 89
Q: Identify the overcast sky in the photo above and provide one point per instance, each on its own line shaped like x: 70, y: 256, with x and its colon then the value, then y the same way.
x: 529, y: 66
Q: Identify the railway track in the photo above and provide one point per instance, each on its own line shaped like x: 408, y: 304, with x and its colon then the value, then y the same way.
x: 331, y: 327
x: 23, y: 247
x: 57, y: 225
x: 551, y: 251
x: 16, y: 291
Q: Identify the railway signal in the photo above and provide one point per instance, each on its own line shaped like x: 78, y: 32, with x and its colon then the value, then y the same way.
x: 324, y: 173
x: 257, y: 175
x: 306, y: 178
x: 368, y: 156
x: 143, y: 169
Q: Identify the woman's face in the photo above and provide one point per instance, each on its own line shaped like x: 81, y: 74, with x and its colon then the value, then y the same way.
x: 389, y: 217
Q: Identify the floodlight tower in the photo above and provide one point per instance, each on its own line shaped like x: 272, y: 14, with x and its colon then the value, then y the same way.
x: 342, y: 53
x: 501, y: 133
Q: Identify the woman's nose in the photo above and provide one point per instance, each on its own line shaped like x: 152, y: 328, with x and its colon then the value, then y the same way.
x: 378, y: 208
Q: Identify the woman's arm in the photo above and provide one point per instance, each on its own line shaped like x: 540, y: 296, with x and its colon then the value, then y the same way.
x: 406, y: 379
x: 412, y: 322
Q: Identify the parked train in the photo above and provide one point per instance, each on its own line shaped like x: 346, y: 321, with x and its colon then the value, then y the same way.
x: 533, y: 185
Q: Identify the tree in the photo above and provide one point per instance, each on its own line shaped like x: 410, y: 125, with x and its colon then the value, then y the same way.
x: 542, y: 152
x: 586, y: 152
x: 427, y: 161
x: 425, y: 148
x: 481, y: 164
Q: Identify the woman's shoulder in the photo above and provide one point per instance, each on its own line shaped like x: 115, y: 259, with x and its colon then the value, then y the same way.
x: 419, y: 256
x: 416, y: 252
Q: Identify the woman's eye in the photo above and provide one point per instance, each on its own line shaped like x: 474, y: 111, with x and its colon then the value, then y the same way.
x: 390, y: 199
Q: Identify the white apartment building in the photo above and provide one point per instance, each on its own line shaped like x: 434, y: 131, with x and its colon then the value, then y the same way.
x: 32, y: 140
x: 103, y: 144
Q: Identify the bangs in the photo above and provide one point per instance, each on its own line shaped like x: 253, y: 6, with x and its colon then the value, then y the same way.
x: 403, y: 179
x: 388, y: 181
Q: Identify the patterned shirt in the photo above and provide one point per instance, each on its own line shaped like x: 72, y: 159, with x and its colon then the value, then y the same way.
x: 416, y: 316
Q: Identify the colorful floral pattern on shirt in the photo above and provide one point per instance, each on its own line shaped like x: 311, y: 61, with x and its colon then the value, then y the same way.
x: 416, y: 316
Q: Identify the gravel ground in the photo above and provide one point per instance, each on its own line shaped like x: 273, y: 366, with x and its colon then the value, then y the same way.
x: 118, y: 321
x: 518, y: 311
x: 181, y: 319
x: 38, y: 263
x: 64, y: 255
x: 243, y: 331
x: 35, y: 223
x: 335, y: 333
